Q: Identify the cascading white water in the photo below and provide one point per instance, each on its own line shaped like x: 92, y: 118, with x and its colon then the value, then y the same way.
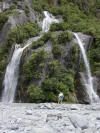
x: 48, y: 20
x: 87, y: 81
x: 11, y: 75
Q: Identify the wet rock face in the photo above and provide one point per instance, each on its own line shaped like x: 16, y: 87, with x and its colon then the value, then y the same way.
x: 17, y: 19
x: 49, y: 118
x: 81, y: 93
x: 5, y: 4
x: 13, y: 21
x: 86, y: 39
x: 4, y: 32
x: 97, y: 84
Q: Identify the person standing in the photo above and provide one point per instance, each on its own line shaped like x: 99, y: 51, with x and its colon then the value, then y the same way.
x: 60, y: 97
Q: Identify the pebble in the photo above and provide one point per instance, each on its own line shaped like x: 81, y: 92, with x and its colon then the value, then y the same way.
x: 49, y: 118
x: 28, y: 112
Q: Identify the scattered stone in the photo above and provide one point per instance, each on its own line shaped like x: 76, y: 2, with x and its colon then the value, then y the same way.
x: 14, y: 127
x: 79, y: 121
x: 98, y: 118
x: 10, y: 132
x: 74, y: 107
x: 52, y: 118
x: 28, y: 129
x: 43, y: 130
x: 28, y: 112
x: 46, y: 106
x: 89, y: 130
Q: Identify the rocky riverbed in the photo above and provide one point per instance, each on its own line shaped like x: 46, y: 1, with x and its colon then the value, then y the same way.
x: 49, y: 118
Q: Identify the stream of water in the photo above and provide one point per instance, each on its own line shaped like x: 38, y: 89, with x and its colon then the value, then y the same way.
x: 88, y: 81
x: 12, y: 70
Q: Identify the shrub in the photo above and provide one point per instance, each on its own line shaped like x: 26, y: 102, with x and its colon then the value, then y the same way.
x: 40, y: 5
x: 27, y: 11
x: 94, y: 56
x: 35, y: 94
x: 57, y: 51
x: 37, y: 8
x: 62, y: 2
x: 31, y: 66
x: 54, y: 38
x: 66, y: 76
x: 50, y: 85
x: 65, y: 37
x: 22, y: 33
x: 41, y: 41
x: 59, y: 26
x: 3, y: 20
x: 50, y: 97
x: 12, y: 7
x: 2, y: 66
x: 15, y: 2
x: 51, y: 88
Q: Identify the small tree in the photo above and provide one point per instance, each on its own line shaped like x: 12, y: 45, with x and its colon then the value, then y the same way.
x: 35, y: 94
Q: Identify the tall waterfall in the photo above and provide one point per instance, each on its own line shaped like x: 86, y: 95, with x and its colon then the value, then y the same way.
x: 88, y: 81
x: 11, y: 75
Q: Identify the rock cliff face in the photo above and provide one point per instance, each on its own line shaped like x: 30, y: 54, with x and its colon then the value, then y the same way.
x: 66, y: 60
x: 56, y: 57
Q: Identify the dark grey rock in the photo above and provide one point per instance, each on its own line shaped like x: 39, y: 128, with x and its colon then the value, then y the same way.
x: 14, y: 127
x: 74, y: 107
x: 4, y: 32
x: 98, y: 118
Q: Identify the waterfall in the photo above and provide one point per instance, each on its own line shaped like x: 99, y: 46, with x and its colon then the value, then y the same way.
x: 88, y: 81
x: 11, y: 75
x: 48, y: 20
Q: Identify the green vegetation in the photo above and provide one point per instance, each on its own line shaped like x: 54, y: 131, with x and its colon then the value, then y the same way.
x: 22, y: 33
x: 32, y: 67
x: 40, y: 5
x: 4, y: 15
x: 59, y: 26
x: 57, y: 51
x: 59, y: 79
x: 78, y: 16
x: 35, y: 94
x: 3, y: 20
x: 41, y: 41
x: 16, y: 1
x: 65, y: 37
x: 27, y: 11
x: 9, y: 11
